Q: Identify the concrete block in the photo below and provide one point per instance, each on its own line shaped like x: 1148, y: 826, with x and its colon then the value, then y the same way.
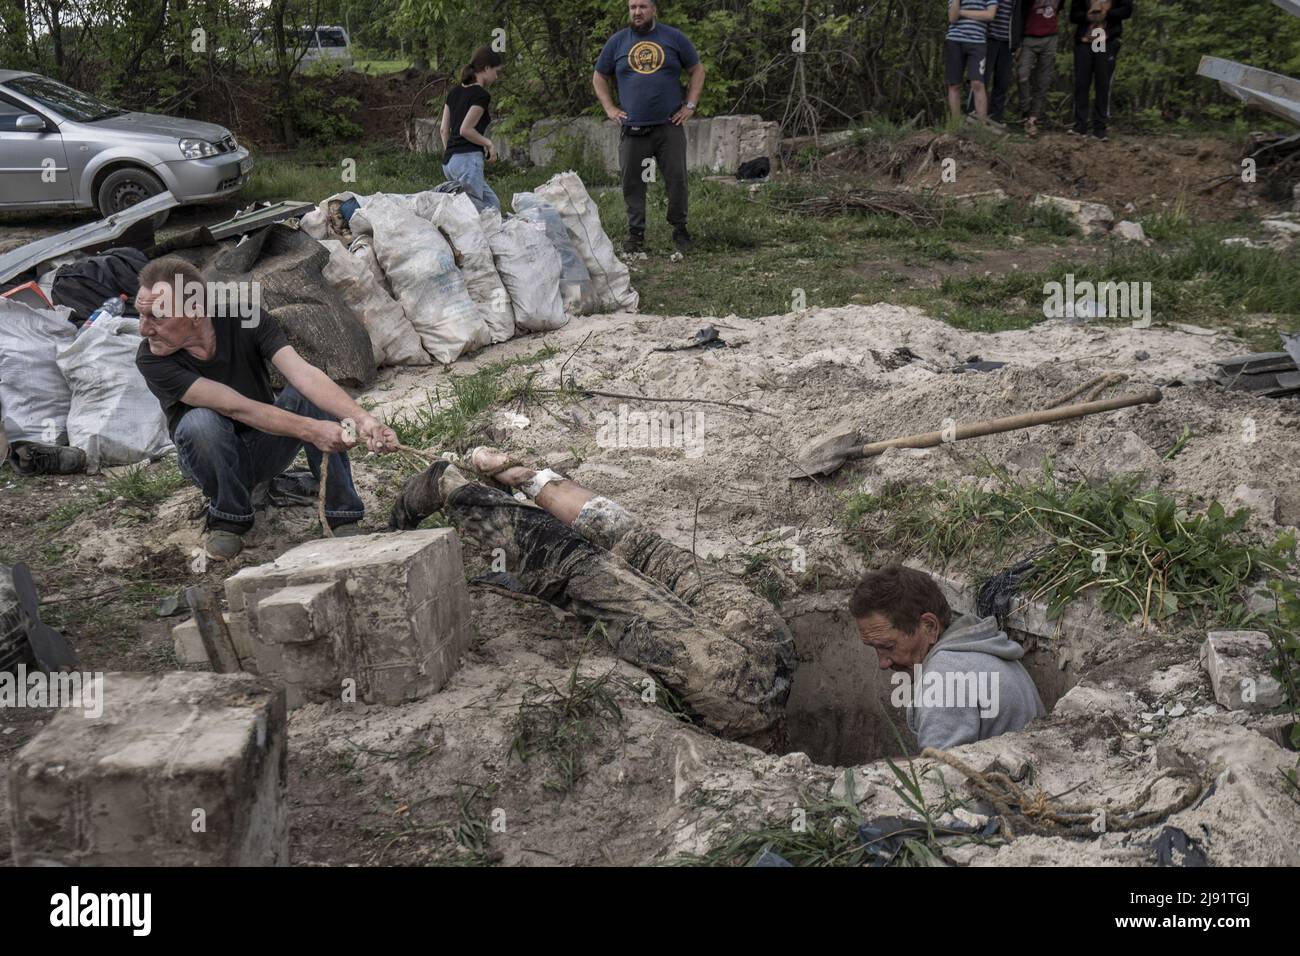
x: 190, y: 651
x: 407, y: 600
x: 312, y: 626
x: 1239, y: 665
x: 181, y: 769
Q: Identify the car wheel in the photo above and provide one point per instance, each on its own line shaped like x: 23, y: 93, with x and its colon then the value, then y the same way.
x: 123, y: 188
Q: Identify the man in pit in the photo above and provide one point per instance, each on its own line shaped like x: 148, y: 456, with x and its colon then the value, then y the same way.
x: 721, y: 648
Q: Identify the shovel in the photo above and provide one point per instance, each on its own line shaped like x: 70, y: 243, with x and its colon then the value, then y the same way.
x: 824, y: 455
x: 50, y: 648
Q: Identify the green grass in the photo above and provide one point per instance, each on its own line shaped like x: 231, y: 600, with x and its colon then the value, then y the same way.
x: 1147, y: 554
x: 139, y: 486
x: 452, y: 414
x: 561, y: 723
x: 1197, y: 281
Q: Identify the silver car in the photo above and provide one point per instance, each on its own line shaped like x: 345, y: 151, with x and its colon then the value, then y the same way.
x: 61, y: 148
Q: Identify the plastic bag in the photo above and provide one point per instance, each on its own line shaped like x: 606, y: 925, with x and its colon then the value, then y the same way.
x: 455, y: 215
x: 609, y: 288
x: 422, y: 270
x: 113, y: 417
x: 392, y: 337
x: 34, y: 396
x: 531, y: 207
x: 530, y: 268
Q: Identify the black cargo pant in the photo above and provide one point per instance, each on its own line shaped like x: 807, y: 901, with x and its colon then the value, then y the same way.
x: 1093, y: 69
x: 666, y: 145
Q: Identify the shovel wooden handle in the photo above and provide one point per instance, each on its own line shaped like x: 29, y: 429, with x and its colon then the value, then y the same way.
x: 991, y: 426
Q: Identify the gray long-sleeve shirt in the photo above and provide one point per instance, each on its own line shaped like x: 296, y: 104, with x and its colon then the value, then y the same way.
x: 971, y: 686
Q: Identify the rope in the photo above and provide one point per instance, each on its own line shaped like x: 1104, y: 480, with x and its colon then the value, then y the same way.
x: 326, y: 530
x: 1041, y: 815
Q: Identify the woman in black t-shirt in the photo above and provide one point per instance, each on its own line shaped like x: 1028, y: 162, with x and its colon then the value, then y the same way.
x: 465, y: 120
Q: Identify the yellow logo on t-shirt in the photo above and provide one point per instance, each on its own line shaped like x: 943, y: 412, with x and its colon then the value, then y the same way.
x: 646, y: 57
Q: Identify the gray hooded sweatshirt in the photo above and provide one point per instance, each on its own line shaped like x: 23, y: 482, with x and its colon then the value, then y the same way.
x: 972, y: 686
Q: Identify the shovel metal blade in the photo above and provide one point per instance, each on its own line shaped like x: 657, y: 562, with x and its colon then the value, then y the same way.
x: 50, y: 648
x: 826, y: 453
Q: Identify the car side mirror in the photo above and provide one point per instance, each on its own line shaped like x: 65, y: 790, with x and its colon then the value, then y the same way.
x: 29, y: 123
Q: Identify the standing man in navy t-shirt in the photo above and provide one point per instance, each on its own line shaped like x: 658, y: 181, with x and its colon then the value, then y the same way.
x: 647, y: 60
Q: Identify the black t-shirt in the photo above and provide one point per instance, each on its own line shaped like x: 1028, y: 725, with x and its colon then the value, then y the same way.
x: 459, y: 101
x: 240, y: 362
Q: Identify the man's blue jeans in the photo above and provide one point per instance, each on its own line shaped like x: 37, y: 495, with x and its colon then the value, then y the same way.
x: 467, y: 169
x: 227, y: 464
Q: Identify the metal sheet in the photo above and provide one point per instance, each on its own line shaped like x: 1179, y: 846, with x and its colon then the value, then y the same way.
x: 1278, y: 94
x: 92, y: 233
x: 1290, y: 6
x: 257, y: 218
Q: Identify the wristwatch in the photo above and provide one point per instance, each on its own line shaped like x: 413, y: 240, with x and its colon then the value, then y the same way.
x: 690, y: 106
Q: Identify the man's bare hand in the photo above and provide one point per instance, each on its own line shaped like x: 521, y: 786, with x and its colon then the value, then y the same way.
x: 491, y: 152
x: 616, y: 114
x: 682, y: 115
x: 377, y: 436
x: 328, y: 436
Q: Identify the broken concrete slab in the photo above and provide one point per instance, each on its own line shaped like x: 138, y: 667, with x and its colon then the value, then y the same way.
x: 1092, y: 218
x: 407, y: 603
x: 181, y: 769
x: 1239, y: 665
x: 1126, y: 454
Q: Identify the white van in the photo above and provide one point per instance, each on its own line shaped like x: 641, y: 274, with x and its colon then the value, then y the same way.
x: 327, y: 46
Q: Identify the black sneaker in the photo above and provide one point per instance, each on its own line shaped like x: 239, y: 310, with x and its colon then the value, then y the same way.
x: 682, y: 240
x: 634, y: 243
x: 1101, y: 137
x: 33, y: 458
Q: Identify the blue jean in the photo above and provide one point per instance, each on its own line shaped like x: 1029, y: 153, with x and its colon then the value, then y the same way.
x: 467, y: 169
x: 227, y: 464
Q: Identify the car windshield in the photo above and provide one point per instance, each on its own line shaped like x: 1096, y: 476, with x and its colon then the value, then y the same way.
x: 334, y: 38
x: 64, y: 100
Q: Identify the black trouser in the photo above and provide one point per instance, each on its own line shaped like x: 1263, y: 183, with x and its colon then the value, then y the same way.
x: 997, y: 76
x: 667, y: 145
x: 1093, y: 69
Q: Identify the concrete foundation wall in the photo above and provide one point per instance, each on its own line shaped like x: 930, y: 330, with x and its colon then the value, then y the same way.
x: 715, y: 144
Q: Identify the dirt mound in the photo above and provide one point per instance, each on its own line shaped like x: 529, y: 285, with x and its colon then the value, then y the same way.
x: 1148, y: 173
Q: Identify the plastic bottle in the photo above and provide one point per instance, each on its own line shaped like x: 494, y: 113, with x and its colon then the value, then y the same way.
x: 114, y: 306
